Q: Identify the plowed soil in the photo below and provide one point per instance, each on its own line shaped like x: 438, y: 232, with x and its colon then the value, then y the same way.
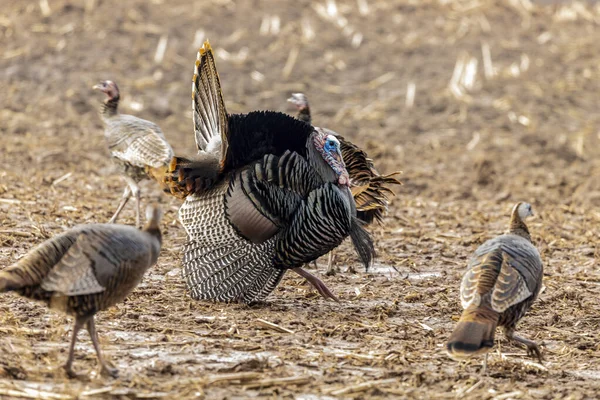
x: 520, y: 120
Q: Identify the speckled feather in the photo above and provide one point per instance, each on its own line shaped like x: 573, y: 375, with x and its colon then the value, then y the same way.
x: 501, y: 283
x: 84, y: 270
x: 137, y: 142
x: 509, y: 286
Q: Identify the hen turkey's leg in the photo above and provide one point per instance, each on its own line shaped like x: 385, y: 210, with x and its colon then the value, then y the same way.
x: 533, y: 350
x: 331, y: 269
x: 106, y: 370
x: 135, y: 189
x: 484, y: 368
x: 69, y: 365
x: 316, y: 283
x: 124, y: 200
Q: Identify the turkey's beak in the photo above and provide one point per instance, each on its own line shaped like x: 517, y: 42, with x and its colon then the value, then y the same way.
x: 97, y: 86
x: 293, y: 101
x: 296, y: 100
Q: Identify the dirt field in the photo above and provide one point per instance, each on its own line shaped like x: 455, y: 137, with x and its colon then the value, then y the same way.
x: 520, y: 124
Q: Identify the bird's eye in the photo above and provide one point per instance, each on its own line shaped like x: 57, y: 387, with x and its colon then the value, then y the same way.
x: 331, y: 143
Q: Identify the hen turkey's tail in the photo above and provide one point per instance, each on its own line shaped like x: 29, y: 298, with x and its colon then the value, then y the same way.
x: 183, y: 176
x: 474, y: 333
x: 6, y: 283
x: 35, y: 266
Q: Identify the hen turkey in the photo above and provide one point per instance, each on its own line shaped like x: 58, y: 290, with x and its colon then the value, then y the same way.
x: 502, y: 281
x: 86, y: 270
x: 370, y: 189
x: 137, y: 146
x: 266, y: 193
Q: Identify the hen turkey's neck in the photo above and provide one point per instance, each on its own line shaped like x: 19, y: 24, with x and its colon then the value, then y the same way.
x: 110, y: 107
x: 517, y: 226
x: 304, y: 115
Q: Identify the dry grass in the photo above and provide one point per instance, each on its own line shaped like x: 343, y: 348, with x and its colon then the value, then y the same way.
x: 480, y: 103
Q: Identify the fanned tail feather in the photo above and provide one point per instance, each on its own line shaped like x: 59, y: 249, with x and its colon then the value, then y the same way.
x: 372, y: 197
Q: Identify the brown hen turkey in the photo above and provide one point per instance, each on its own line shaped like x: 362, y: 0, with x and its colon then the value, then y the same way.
x: 85, y: 270
x: 137, y: 146
x: 503, y: 279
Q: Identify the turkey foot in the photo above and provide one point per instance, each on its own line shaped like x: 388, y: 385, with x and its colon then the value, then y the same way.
x: 533, y: 350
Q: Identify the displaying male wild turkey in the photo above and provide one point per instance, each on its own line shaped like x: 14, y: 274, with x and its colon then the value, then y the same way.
x: 86, y: 270
x: 265, y: 194
x: 502, y: 281
x: 138, y: 146
x: 370, y: 189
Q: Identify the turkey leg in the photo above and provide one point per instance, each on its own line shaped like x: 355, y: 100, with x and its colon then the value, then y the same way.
x: 316, y: 283
x: 124, y: 200
x: 69, y: 365
x: 106, y: 370
x: 135, y: 189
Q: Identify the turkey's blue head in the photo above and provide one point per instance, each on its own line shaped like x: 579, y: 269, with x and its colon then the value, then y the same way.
x: 328, y: 146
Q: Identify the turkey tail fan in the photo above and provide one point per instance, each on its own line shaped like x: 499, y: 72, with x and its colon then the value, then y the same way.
x: 235, y: 273
x: 184, y: 176
x: 208, y: 107
x: 372, y: 197
x: 362, y: 242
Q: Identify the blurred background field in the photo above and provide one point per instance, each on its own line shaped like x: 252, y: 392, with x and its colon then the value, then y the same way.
x: 480, y: 103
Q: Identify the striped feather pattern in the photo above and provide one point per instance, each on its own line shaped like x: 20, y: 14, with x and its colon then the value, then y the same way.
x: 136, y: 141
x: 208, y: 107
x: 222, y: 262
x: 321, y: 223
x: 370, y: 189
x: 526, y: 264
x: 523, y: 256
x: 219, y: 264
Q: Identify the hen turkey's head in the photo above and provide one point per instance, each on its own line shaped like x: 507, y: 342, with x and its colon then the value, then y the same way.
x: 299, y: 100
x: 524, y: 210
x: 109, y: 88
x: 328, y: 146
